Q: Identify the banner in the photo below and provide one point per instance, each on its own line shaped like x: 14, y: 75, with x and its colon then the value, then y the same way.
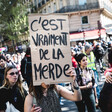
x: 50, y: 48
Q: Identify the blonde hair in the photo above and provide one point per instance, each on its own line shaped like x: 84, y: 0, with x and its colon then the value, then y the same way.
x: 18, y: 83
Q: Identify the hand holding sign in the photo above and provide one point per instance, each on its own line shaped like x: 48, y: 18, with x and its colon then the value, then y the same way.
x: 71, y: 72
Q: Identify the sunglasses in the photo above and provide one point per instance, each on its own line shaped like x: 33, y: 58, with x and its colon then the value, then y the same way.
x: 12, y: 73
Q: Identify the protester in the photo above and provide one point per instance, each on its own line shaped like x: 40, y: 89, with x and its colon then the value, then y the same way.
x: 91, y: 64
x: 45, y: 98
x: 2, y: 68
x: 105, y: 101
x: 12, y: 90
x: 86, y: 82
x: 80, y: 47
x: 9, y: 60
x: 26, y: 67
x: 104, y: 45
x: 99, y: 53
x: 74, y: 62
x: 110, y: 56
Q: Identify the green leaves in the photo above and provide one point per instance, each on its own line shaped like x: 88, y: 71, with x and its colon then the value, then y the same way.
x: 13, y: 18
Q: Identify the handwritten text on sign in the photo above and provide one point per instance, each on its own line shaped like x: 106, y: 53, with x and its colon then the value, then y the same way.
x: 50, y: 48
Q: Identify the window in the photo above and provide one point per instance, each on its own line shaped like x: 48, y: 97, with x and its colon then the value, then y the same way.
x: 82, y: 2
x: 54, y: 7
x: 84, y: 19
x: 43, y: 2
x: 49, y: 9
x: 44, y: 11
x: 39, y: 1
x: 68, y: 2
x: 35, y: 4
x: 61, y: 4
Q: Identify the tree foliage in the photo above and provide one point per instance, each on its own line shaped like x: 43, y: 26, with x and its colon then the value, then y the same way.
x: 13, y: 18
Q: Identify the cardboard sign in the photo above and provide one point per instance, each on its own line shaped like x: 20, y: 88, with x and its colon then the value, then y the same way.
x: 50, y: 48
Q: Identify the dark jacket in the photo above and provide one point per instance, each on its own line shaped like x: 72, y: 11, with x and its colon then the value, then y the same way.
x: 98, y: 52
x: 1, y: 75
x: 26, y: 69
x: 13, y: 95
x: 110, y: 56
x: 105, y: 101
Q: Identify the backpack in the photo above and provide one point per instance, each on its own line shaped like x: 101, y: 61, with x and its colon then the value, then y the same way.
x: 26, y: 68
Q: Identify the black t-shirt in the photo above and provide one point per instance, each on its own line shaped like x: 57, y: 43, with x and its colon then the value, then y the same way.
x: 12, y: 95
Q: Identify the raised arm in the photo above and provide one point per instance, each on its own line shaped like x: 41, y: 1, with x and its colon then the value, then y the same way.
x: 73, y: 96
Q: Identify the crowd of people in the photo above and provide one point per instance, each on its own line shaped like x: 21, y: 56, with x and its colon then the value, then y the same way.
x: 14, y: 70
x: 99, y: 56
x: 85, y: 92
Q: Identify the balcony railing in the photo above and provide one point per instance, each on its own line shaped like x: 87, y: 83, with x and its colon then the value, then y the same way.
x: 78, y: 7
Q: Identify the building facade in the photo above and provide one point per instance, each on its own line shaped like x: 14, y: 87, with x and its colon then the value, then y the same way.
x: 89, y: 19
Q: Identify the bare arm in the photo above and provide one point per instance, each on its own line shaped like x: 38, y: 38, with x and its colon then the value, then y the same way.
x: 108, y: 77
x: 73, y: 96
x: 89, y: 85
x: 29, y: 106
x: 28, y: 103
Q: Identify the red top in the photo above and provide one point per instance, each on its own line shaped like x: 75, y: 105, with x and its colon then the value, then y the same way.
x: 74, y: 62
x: 108, y: 70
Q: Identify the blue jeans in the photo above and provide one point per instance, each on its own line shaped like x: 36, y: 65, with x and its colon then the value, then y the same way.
x: 96, y: 81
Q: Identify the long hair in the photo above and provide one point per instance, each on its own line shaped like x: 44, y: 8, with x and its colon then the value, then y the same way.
x: 37, y: 91
x: 18, y: 83
x: 79, y: 57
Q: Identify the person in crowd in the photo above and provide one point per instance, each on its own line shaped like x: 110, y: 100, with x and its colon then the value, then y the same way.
x: 86, y: 82
x: 105, y: 100
x: 14, y: 59
x: 90, y: 56
x: 12, y: 90
x: 2, y: 68
x: 45, y: 98
x: 99, y: 53
x: 75, y: 48
x: 91, y: 64
x: 94, y: 44
x: 9, y: 60
x: 80, y: 47
x: 110, y: 56
x: 26, y: 67
x: 74, y: 62
x: 104, y: 45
